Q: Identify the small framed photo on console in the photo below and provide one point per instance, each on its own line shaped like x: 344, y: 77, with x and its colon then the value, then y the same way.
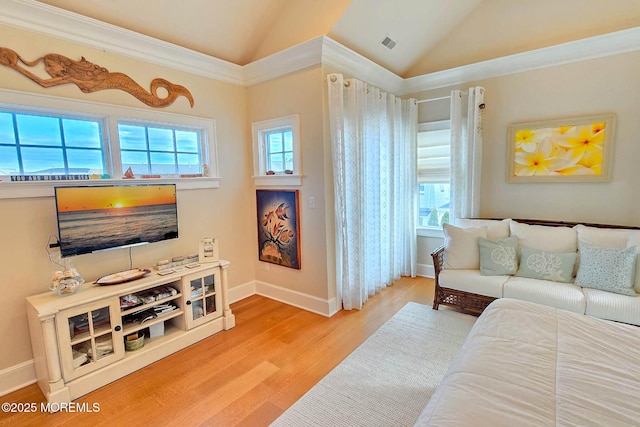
x: 208, y: 250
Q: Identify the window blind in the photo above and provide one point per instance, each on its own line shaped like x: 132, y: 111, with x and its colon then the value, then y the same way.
x: 434, y: 155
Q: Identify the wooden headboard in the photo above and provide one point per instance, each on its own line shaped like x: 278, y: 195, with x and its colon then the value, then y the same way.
x: 562, y: 223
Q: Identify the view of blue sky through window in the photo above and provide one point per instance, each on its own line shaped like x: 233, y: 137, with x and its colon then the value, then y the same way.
x: 37, y: 144
x: 154, y: 150
x: 279, y: 147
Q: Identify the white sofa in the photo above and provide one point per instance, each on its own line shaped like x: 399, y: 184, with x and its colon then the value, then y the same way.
x: 603, y: 282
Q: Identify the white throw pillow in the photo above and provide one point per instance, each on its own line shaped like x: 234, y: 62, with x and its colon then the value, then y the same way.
x: 545, y: 238
x: 461, y: 247
x: 496, y: 229
x: 602, y: 237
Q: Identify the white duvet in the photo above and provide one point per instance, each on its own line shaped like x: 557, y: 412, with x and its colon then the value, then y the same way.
x: 525, y: 364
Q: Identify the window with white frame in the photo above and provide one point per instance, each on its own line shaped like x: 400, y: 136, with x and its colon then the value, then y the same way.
x: 37, y: 144
x: 276, y: 151
x: 48, y: 139
x: 155, y: 150
x: 434, y: 173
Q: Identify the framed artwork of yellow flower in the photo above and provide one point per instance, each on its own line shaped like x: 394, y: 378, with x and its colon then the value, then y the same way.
x: 562, y: 150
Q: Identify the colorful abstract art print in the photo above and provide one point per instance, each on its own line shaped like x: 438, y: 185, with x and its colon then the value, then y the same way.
x: 279, y: 227
x: 563, y: 150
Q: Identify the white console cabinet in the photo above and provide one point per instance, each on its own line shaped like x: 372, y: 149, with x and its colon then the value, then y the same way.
x: 79, y: 340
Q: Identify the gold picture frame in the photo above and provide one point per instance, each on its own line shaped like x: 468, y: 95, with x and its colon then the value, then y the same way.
x: 576, y: 149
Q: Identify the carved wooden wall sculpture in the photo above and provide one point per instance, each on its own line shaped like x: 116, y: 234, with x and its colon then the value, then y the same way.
x: 90, y: 77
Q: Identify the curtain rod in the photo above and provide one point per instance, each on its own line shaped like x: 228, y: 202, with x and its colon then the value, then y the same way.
x: 420, y: 101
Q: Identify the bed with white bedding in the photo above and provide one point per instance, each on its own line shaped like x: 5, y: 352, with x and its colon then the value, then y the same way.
x: 525, y: 364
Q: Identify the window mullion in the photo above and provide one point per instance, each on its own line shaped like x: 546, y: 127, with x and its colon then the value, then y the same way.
x: 175, y: 153
x: 111, y: 140
x: 16, y: 136
x: 106, y: 149
x: 148, y: 143
x: 267, y: 151
x: 263, y: 161
x: 65, y: 159
x: 282, y: 158
x: 284, y: 164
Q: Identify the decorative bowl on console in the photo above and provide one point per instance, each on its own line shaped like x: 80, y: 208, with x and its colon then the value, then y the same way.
x: 66, y: 282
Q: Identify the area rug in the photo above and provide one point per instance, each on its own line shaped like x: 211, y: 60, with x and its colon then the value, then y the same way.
x: 389, y: 378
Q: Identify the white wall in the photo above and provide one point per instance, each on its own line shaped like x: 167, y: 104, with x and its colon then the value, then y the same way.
x: 299, y: 93
x: 26, y: 224
x: 604, y: 85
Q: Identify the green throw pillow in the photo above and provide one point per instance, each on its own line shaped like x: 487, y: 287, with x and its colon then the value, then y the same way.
x: 607, y: 269
x: 498, y: 257
x: 554, y: 266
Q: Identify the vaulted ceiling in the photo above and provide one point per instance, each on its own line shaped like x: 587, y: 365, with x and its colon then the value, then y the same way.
x: 430, y: 35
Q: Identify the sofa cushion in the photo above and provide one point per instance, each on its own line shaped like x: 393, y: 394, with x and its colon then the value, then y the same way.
x: 554, y: 266
x: 496, y: 229
x: 472, y: 281
x: 461, y: 247
x: 498, y: 257
x: 607, y: 305
x: 565, y: 296
x: 545, y: 238
x: 607, y: 269
x: 602, y: 237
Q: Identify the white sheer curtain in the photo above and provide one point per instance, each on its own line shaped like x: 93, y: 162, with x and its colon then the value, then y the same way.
x: 373, y: 137
x: 466, y: 152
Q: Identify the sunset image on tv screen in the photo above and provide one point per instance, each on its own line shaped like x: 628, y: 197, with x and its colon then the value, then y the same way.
x: 104, y: 217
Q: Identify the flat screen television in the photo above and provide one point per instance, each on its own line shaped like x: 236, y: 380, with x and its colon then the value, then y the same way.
x: 98, y: 218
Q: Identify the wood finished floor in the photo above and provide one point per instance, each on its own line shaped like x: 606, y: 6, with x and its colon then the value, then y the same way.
x: 246, y: 376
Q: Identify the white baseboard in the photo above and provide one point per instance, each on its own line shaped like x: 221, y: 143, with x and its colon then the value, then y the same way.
x: 16, y: 377
x: 242, y: 291
x: 426, y: 270
x: 297, y: 299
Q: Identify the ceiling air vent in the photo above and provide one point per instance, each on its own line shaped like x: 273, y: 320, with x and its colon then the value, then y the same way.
x: 388, y: 42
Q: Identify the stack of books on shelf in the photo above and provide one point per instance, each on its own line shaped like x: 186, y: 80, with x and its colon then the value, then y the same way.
x: 151, y: 313
x: 196, y: 292
x: 146, y: 297
x: 161, y: 309
x: 156, y: 294
x: 79, y: 358
x: 102, y: 349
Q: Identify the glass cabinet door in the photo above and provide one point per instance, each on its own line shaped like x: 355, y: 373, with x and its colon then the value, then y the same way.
x: 204, y: 297
x: 90, y: 337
